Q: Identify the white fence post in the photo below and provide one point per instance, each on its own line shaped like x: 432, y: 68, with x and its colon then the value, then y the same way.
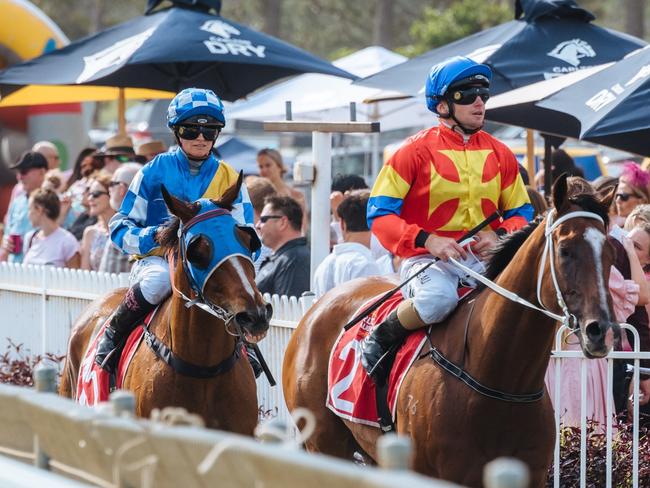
x: 394, y: 452
x: 506, y: 473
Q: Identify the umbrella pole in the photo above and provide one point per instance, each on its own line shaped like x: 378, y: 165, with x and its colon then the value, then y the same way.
x: 121, y: 113
x: 530, y: 155
x: 548, y: 149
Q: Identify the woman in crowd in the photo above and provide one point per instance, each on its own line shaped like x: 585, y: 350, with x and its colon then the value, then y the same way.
x: 632, y: 191
x: 49, y: 244
x: 271, y: 166
x: 95, y: 236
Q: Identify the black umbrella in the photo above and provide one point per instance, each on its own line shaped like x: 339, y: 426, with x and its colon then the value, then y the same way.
x: 171, y: 49
x: 548, y: 38
x: 607, y: 105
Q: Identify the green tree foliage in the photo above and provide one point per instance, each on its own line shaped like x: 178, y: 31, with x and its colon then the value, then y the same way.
x: 442, y: 26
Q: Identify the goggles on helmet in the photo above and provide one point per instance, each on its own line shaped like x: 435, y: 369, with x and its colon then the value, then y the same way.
x: 191, y: 132
x: 467, y: 95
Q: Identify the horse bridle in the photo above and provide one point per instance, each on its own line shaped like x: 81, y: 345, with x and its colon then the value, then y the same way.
x: 163, y: 351
x: 567, y: 318
x: 200, y: 301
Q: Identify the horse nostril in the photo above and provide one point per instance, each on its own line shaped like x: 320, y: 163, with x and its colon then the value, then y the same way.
x: 268, y: 311
x: 594, y: 331
x: 244, y: 319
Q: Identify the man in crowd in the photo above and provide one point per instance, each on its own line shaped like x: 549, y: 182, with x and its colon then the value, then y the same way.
x: 259, y: 189
x: 352, y: 257
x: 30, y: 172
x: 286, y: 270
x: 439, y: 184
x: 117, y: 150
x: 50, y: 152
x: 149, y: 150
x: 114, y: 260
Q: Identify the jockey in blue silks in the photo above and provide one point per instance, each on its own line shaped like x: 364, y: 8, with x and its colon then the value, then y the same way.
x: 189, y: 173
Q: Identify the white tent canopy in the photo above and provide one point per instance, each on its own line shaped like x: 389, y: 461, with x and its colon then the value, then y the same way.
x: 326, y: 98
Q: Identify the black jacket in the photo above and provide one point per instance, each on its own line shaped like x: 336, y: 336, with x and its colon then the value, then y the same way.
x: 286, y: 271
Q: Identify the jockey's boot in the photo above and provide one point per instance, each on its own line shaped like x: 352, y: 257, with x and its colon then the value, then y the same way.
x: 379, y: 348
x: 255, y: 363
x: 133, y: 309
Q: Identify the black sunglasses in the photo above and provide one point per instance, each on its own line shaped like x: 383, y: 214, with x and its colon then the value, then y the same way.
x: 625, y: 196
x: 466, y: 96
x: 97, y: 194
x: 191, y: 132
x: 265, y: 218
x: 116, y: 183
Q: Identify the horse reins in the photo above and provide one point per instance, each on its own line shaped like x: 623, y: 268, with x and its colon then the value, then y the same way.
x: 567, y: 319
x: 471, y: 233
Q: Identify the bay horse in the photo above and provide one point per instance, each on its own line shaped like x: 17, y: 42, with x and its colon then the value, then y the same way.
x: 209, y: 246
x: 501, y: 345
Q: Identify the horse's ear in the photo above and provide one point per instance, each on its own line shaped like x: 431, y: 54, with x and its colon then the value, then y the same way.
x: 606, y: 197
x: 230, y: 195
x: 560, y: 192
x: 181, y: 209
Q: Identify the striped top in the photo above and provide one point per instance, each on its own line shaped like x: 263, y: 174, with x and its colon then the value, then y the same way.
x: 143, y: 210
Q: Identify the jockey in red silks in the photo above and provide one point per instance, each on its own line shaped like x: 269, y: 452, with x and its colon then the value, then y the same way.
x: 440, y: 183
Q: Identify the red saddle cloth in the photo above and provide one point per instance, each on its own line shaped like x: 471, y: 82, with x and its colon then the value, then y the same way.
x: 93, y: 383
x: 351, y: 392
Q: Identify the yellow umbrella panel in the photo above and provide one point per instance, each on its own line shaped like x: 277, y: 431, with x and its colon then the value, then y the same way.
x: 53, y: 94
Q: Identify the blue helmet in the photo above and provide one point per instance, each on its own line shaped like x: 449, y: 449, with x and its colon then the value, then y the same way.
x: 453, y: 70
x: 192, y: 102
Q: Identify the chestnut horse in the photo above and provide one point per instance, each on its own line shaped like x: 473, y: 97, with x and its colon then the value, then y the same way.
x: 205, y: 333
x: 502, y: 345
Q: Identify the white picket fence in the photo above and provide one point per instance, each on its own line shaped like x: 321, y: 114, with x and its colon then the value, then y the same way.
x: 110, y: 451
x: 40, y: 304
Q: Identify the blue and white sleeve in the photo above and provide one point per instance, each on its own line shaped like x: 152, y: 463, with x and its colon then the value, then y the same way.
x: 128, y: 226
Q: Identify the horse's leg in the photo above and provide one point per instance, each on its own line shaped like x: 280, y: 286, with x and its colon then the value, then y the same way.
x: 304, y: 382
x: 81, y: 334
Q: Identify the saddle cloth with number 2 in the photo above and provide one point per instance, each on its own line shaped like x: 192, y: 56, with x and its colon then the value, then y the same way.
x: 351, y: 392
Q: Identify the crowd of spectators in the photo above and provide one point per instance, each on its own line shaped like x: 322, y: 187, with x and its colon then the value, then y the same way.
x: 60, y: 217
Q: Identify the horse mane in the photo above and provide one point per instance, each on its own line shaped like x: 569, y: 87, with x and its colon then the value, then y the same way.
x: 508, y: 247
x: 168, y: 237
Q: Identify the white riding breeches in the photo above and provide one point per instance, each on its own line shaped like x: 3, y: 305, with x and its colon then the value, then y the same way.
x: 435, y: 290
x: 152, y: 273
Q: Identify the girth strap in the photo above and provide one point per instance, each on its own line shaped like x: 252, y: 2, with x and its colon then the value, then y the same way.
x: 189, y: 369
x: 466, y: 378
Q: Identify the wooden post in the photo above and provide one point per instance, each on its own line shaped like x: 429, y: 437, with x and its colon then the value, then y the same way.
x: 530, y: 156
x: 121, y: 113
x: 44, y: 382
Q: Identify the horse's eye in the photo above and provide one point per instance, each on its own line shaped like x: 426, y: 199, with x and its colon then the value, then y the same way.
x: 199, y: 251
x: 564, y: 252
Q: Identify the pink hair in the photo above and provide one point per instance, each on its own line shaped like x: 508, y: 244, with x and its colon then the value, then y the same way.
x: 636, y: 177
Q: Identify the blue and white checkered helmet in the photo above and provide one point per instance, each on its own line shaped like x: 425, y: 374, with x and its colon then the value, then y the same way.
x: 194, y: 101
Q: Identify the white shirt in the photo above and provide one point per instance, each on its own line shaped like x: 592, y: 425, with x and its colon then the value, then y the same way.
x: 348, y: 260
x: 55, y: 249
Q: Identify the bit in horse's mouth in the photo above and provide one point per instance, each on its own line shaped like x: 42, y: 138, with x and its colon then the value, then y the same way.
x: 254, y: 338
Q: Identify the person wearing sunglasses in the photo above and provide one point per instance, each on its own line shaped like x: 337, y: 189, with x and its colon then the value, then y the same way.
x: 95, y: 236
x: 195, y: 116
x: 439, y: 184
x: 632, y: 191
x: 117, y: 150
